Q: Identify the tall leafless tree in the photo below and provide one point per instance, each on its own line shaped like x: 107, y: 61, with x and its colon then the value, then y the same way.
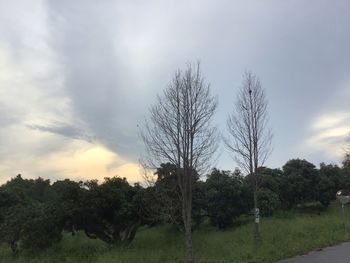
x: 179, y: 131
x: 249, y: 135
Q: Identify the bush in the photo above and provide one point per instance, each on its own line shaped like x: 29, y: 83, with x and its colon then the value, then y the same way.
x: 299, y: 183
x: 268, y: 202
x: 227, y: 197
x: 162, y: 201
x: 41, y: 230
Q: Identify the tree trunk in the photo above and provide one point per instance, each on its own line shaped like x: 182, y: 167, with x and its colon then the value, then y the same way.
x: 188, y: 235
x: 256, y: 221
x: 14, y: 247
x: 132, y: 233
x: 187, y: 216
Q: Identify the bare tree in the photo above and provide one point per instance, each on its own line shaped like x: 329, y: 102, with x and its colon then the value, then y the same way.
x: 179, y: 131
x: 249, y: 135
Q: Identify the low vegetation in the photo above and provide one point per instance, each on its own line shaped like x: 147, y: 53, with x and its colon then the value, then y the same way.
x: 285, y: 234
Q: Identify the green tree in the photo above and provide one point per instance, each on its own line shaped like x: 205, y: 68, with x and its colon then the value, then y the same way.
x: 162, y: 201
x: 227, y: 197
x: 109, y: 211
x: 269, y: 201
x: 26, y: 216
x: 67, y: 197
x: 346, y: 166
x: 300, y: 182
x: 329, y: 182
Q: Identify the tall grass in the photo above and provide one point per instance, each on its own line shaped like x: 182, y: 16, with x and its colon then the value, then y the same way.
x: 284, y: 235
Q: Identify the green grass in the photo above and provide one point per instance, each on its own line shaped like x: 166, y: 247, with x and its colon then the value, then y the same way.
x: 283, y: 235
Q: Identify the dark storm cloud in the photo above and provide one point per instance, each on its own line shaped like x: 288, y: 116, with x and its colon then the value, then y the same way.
x: 64, y: 130
x: 95, y: 80
x: 116, y: 56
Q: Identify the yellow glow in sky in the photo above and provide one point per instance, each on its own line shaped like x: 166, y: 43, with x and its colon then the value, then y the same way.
x: 91, y: 161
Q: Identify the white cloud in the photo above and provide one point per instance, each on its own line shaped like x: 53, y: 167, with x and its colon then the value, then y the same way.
x: 328, y: 135
x: 331, y: 120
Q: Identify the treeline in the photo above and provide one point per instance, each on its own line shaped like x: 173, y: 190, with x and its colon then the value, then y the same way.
x: 35, y: 213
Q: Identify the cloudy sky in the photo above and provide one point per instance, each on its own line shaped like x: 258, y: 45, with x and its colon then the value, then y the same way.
x: 77, y: 77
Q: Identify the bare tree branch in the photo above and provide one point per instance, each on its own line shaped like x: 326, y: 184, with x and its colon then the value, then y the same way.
x: 179, y: 131
x: 249, y: 136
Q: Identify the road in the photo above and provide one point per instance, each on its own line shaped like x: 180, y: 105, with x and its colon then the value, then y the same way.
x: 336, y: 254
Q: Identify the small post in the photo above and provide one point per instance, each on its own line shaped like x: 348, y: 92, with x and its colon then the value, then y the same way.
x: 257, y: 237
x: 257, y: 216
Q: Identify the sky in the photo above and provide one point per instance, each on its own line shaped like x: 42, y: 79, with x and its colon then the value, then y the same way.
x: 78, y: 77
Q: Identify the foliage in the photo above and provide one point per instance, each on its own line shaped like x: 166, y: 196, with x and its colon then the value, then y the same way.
x: 345, y: 172
x: 34, y: 214
x: 26, y: 218
x: 108, y: 211
x: 270, y: 179
x: 330, y: 182
x: 299, y: 183
x: 162, y: 201
x: 269, y: 189
x: 161, y: 244
x: 269, y: 202
x: 227, y: 197
x: 41, y: 227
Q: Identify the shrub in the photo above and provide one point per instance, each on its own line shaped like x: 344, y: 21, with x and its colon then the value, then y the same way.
x: 268, y: 202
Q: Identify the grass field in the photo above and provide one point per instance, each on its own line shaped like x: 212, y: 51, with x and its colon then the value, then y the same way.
x: 283, y: 235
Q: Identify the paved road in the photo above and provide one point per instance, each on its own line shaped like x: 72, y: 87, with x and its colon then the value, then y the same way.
x: 336, y: 254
